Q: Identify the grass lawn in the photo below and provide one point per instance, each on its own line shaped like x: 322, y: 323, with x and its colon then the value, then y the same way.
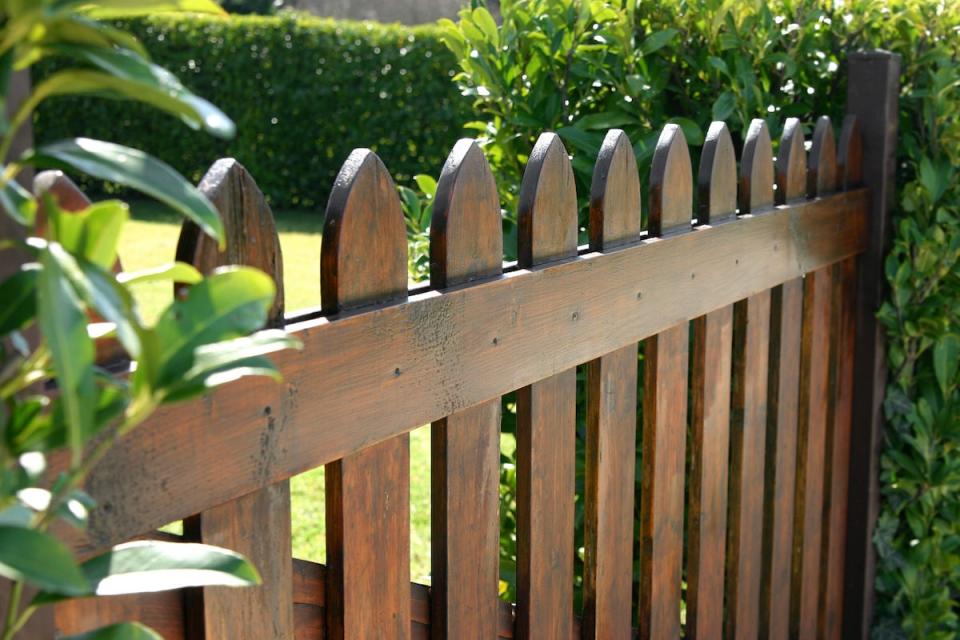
x: 150, y: 239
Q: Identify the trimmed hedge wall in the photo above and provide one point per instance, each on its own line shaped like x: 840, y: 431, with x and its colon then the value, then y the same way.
x: 303, y: 91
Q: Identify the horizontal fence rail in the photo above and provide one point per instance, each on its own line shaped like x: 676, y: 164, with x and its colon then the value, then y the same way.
x: 743, y: 294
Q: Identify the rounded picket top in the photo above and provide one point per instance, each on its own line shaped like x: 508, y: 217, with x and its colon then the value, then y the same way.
x: 614, y: 194
x: 466, y: 236
x: 68, y: 195
x: 756, y: 169
x: 717, y: 177
x: 850, y: 154
x: 547, y: 213
x: 791, y: 163
x: 249, y: 229
x: 363, y: 256
x: 671, y: 184
x: 822, y: 173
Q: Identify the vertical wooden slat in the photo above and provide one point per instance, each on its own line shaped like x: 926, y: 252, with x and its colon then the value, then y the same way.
x: 811, y: 446
x: 710, y: 406
x: 364, y: 261
x: 466, y: 244
x: 873, y: 91
x: 611, y: 415
x: 546, y: 415
x: 258, y: 524
x: 786, y: 309
x: 665, y: 411
x: 751, y: 335
x: 848, y: 164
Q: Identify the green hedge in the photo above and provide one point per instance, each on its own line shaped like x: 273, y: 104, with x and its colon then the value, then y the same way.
x: 303, y: 91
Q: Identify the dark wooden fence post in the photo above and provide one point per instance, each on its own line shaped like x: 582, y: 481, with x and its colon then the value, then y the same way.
x: 872, y: 95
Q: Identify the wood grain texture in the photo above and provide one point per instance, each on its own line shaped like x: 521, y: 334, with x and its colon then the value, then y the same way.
x: 257, y: 524
x: 346, y: 374
x: 611, y: 415
x: 546, y: 416
x: 665, y: 412
x: 614, y: 194
x: 873, y: 93
x: 840, y: 409
x: 813, y: 416
x: 786, y: 311
x: 751, y: 331
x: 364, y: 259
x: 465, y: 244
x: 163, y: 612
x: 747, y: 445
x: 717, y: 177
x: 850, y: 154
x: 710, y: 410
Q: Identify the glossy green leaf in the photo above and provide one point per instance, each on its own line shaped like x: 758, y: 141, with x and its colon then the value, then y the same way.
x: 19, y: 296
x: 946, y: 360
x: 147, y: 566
x: 427, y: 184
x: 101, y: 291
x: 134, y: 169
x: 93, y: 233
x: 41, y: 560
x: 223, y: 362
x: 18, y: 203
x: 64, y: 325
x: 228, y: 304
x: 175, y: 271
x: 119, y: 631
x: 658, y: 40
x: 110, y: 9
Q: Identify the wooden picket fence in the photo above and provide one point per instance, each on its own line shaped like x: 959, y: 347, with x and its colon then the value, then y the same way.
x: 758, y: 432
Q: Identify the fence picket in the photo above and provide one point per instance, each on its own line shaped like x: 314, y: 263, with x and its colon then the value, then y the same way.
x: 466, y: 244
x: 611, y: 414
x: 842, y: 330
x: 751, y: 340
x: 710, y: 407
x: 257, y: 524
x: 811, y: 434
x: 364, y: 261
x: 546, y: 415
x: 665, y: 411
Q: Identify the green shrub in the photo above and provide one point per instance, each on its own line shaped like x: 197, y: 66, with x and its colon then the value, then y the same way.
x: 303, y: 91
x: 580, y: 68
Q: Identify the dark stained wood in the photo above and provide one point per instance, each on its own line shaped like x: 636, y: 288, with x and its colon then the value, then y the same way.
x: 751, y: 335
x: 747, y: 446
x: 842, y: 328
x: 257, y: 524
x: 346, y: 374
x: 546, y: 416
x: 611, y: 414
x: 813, y: 415
x: 717, y: 177
x: 783, y: 386
x: 162, y: 611
x: 665, y: 411
x: 465, y: 244
x: 873, y: 93
x: 614, y: 194
x: 363, y: 258
x: 710, y: 410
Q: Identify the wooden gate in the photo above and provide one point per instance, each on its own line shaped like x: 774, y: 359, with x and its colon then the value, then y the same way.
x: 753, y: 290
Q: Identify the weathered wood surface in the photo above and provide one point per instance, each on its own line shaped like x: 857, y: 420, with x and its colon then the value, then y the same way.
x: 872, y: 95
x: 466, y: 244
x: 257, y: 524
x: 665, y: 411
x: 611, y: 415
x: 751, y: 333
x: 710, y: 410
x: 813, y: 415
x: 364, y: 255
x: 546, y: 416
x: 346, y: 375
